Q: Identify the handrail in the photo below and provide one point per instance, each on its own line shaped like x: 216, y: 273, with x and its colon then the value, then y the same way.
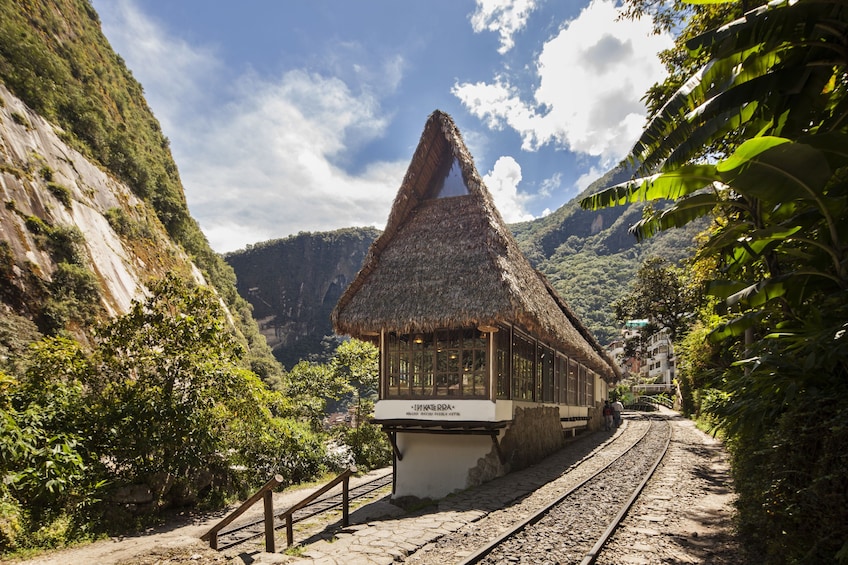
x: 344, y: 478
x: 265, y: 493
x: 657, y: 400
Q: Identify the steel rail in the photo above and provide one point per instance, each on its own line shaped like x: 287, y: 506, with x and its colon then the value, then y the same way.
x: 484, y: 551
x: 592, y: 556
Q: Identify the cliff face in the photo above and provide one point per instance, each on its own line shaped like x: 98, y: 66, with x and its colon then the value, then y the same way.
x: 293, y: 285
x: 65, y: 222
x: 93, y: 206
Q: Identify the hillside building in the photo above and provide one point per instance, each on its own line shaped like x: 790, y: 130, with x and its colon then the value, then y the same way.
x: 658, y: 371
x: 483, y: 367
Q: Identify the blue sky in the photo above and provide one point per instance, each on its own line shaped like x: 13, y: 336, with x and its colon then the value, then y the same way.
x: 303, y: 116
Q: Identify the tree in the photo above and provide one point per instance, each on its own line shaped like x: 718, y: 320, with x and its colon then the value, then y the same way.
x: 311, y: 385
x: 758, y: 139
x: 356, y: 362
x: 657, y: 294
x: 177, y: 411
x: 164, y: 369
x: 48, y: 473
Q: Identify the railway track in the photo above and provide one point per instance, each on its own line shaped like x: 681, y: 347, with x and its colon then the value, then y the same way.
x: 245, y: 532
x: 575, y: 526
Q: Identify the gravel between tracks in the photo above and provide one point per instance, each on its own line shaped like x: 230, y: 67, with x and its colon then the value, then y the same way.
x: 570, y: 527
x: 684, y: 515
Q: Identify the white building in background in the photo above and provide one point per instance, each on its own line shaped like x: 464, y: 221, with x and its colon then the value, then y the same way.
x: 655, y: 371
x: 659, y: 367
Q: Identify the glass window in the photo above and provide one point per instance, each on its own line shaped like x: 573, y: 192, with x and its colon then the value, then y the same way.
x: 503, y: 359
x: 523, y: 374
x: 572, y: 383
x: 581, y: 386
x: 454, y: 363
x: 561, y: 379
x: 590, y: 387
x: 443, y: 363
x: 545, y: 373
x: 450, y: 182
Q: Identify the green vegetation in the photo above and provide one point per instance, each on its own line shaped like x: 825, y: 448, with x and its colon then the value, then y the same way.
x: 127, y: 227
x: 20, y: 119
x: 659, y: 294
x: 159, y: 412
x: 62, y: 193
x: 349, y: 381
x: 54, y: 57
x: 764, y: 156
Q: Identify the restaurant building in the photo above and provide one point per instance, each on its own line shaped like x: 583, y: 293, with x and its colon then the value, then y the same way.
x: 483, y: 367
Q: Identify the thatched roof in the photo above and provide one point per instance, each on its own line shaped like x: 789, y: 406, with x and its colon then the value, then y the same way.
x: 452, y: 262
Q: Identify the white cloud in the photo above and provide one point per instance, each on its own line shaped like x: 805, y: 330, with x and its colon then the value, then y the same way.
x: 170, y: 69
x: 265, y: 164
x: 502, y: 182
x: 550, y: 185
x: 592, y: 75
x: 268, y: 161
x: 587, y: 178
x: 505, y: 17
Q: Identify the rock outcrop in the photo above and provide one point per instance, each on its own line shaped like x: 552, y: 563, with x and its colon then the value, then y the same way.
x: 59, y: 208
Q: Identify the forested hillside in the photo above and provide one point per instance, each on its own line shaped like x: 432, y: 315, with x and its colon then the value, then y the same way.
x: 133, y: 377
x: 589, y: 257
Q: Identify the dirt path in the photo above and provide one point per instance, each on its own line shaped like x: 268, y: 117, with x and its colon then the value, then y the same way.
x: 179, y: 541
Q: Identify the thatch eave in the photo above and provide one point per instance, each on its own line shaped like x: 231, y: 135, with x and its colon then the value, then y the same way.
x: 452, y: 262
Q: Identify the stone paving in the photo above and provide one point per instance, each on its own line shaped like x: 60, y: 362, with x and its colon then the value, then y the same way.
x: 382, y: 533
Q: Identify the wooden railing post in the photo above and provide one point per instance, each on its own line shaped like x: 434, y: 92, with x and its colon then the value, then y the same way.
x: 288, y: 515
x: 264, y: 492
x: 289, y: 530
x: 345, y: 501
x: 270, y: 542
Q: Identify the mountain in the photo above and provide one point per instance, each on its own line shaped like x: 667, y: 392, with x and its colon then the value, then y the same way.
x: 588, y: 256
x: 93, y: 207
x: 294, y: 283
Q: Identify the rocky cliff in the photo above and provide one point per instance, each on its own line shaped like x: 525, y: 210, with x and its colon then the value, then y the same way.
x: 69, y: 231
x: 294, y: 283
x: 93, y: 206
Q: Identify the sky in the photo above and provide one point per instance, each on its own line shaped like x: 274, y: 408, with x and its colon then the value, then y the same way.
x: 302, y: 116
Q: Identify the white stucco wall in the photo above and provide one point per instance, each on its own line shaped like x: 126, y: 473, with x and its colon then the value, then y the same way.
x: 442, y: 409
x: 435, y: 465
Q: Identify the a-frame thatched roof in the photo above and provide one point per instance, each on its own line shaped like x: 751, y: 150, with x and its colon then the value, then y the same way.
x: 451, y: 261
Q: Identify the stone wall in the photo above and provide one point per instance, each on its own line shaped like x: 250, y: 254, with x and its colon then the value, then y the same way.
x: 535, y: 433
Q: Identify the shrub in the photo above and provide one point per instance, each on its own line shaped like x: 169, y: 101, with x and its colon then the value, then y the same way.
x: 62, y: 193
x: 368, y: 445
x: 20, y: 119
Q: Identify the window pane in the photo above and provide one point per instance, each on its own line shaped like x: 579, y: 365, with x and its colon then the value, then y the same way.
x: 447, y: 362
x: 503, y: 364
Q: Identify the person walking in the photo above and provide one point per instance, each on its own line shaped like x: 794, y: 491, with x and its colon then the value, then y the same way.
x: 607, y: 412
x: 617, y: 407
